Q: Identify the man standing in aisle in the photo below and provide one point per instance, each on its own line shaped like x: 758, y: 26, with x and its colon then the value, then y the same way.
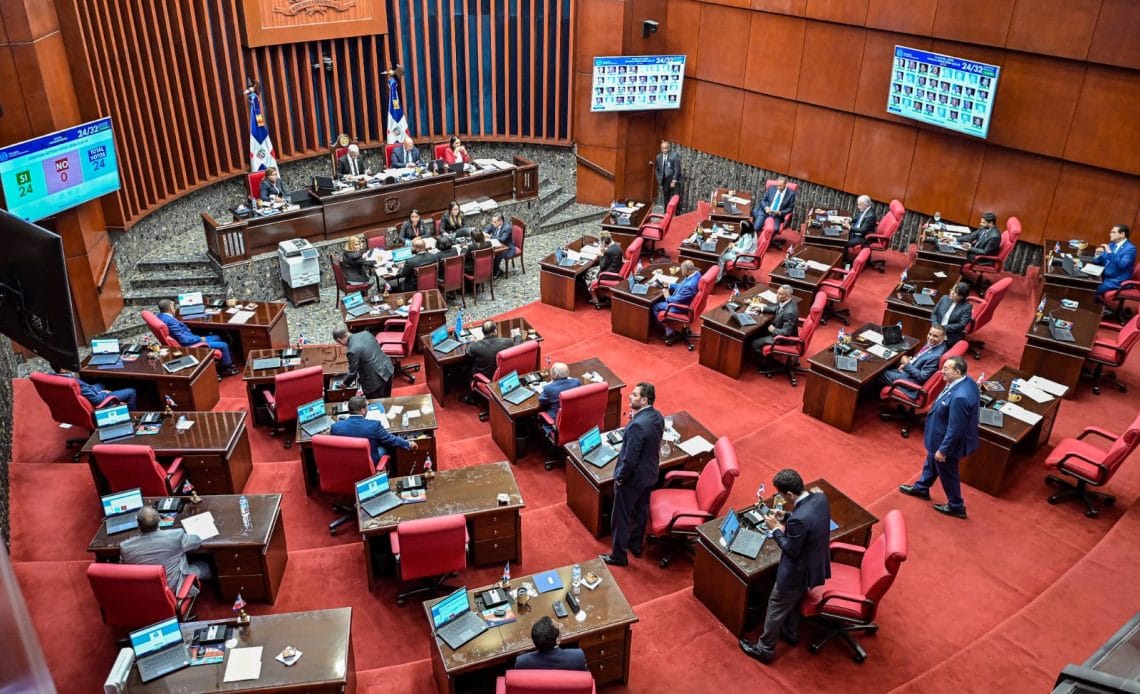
x: 667, y: 173
x: 635, y: 474
x: 367, y: 362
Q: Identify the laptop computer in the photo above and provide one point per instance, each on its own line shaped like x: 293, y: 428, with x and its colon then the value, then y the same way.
x: 736, y: 538
x: 456, y: 168
x: 442, y: 341
x: 708, y: 246
x: 375, y: 495
x: 1059, y: 333
x: 121, y: 509
x: 846, y: 363
x: 104, y: 353
x: 947, y: 248
x: 453, y: 620
x: 795, y: 272
x: 923, y: 299
x: 636, y: 287
x: 892, y: 336
x: 991, y: 417
x: 744, y: 319
x: 299, y: 196
x: 833, y: 231
x: 312, y: 418
x: 354, y: 305
x: 114, y: 423
x: 266, y: 363
x: 191, y: 304
x: 562, y: 259
x: 513, y: 390
x: 159, y: 649
x: 594, y: 451
x: 180, y: 363
x: 401, y: 254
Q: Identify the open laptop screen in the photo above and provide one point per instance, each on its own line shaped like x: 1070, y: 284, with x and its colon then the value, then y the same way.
x: 590, y: 440
x: 372, y: 486
x: 509, y: 382
x: 353, y: 300
x: 310, y: 411
x: 156, y: 637
x: 730, y: 526
x: 112, y: 415
x: 190, y: 299
x: 401, y: 254
x: 447, y: 609
x: 122, y: 502
x: 439, y: 335
x: 105, y: 346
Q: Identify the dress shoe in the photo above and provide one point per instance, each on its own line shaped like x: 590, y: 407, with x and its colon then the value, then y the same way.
x: 790, y: 639
x: 945, y: 509
x: 613, y: 561
x: 754, y: 651
x: 469, y: 399
x: 911, y: 490
x: 635, y: 552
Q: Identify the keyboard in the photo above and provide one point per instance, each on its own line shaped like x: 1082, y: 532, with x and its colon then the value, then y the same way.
x: 748, y: 543
x: 159, y: 664
x: 266, y: 363
x: 358, y: 311
x: 601, y: 456
x: 462, y: 630
x: 923, y: 300
x: 447, y: 346
x: 179, y: 364
x: 1062, y: 334
x: 518, y: 395
x: 118, y: 524
x: 116, y: 431
x: 104, y: 359
x: 381, y: 504
x: 640, y: 289
x: 833, y: 231
x: 317, y: 425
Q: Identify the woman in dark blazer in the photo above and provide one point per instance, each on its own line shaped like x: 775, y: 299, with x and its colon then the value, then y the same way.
x: 357, y: 270
x: 272, y: 188
x: 453, y: 221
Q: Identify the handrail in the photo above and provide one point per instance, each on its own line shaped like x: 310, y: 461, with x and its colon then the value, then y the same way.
x: 596, y: 168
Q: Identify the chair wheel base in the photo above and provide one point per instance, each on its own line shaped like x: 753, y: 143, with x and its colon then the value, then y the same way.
x: 665, y: 561
x: 905, y: 433
x: 401, y: 602
x: 484, y: 416
x: 549, y: 465
x: 288, y: 443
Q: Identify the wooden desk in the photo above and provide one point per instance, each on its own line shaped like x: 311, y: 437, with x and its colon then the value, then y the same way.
x: 832, y: 395
x: 706, y: 259
x: 624, y: 234
x: 986, y: 468
x: 928, y: 251
x: 735, y: 588
x: 901, y: 306
x: 812, y: 231
x: 327, y: 667
x: 420, y: 429
x: 267, y: 329
x: 590, y: 489
x: 432, y: 315
x: 333, y: 359
x: 744, y: 213
x: 452, y: 371
x: 250, y: 562
x: 605, y: 635
x: 631, y: 315
x: 1056, y: 360
x: 558, y: 285
x: 1054, y: 273
x: 495, y: 531
x: 723, y: 340
x: 193, y: 389
x: 215, y: 451
x: 505, y: 416
x: 804, y: 289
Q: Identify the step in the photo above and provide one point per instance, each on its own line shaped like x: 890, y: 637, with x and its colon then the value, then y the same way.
x: 168, y: 261
x: 179, y: 278
x: 573, y: 215
x: 547, y: 191
x: 559, y: 203
x: 149, y: 296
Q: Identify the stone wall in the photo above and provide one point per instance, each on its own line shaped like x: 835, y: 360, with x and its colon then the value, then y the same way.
x: 7, y: 373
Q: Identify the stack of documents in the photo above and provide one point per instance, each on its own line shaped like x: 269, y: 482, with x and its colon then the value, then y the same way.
x: 1018, y: 412
x: 1031, y: 391
x: 1051, y: 387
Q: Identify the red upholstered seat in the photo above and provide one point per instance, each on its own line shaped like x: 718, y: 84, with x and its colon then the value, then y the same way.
x: 1129, y: 291
x: 291, y: 390
x: 992, y: 264
x: 880, y: 238
x: 254, y: 180
x: 451, y: 277
x: 605, y: 280
x: 429, y: 548
x: 1090, y: 465
x: 131, y: 596
x: 685, y: 318
x: 545, y: 682
x: 388, y: 149
x: 343, y: 286
x: 342, y: 461
x: 793, y: 347
x: 440, y: 149
x: 518, y: 235
x: 839, y: 285
x: 656, y: 227
x: 398, y: 340
x: 162, y: 334
x: 915, y: 398
x: 67, y: 405
x: 126, y: 466
x: 1112, y: 352
x: 745, y: 264
x: 983, y: 312
x: 483, y: 264
x: 522, y: 357
x: 579, y: 410
x: 674, y: 514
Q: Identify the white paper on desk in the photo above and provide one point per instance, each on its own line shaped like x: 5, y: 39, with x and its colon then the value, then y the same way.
x: 667, y: 280
x: 395, y: 409
x: 590, y: 252
x: 378, y: 416
x: 940, y: 275
x: 487, y: 204
x: 1018, y: 412
x: 241, y: 317
x: 201, y: 524
x: 1030, y: 391
x: 881, y: 352
x: 696, y: 445
x: 838, y: 219
x: 413, y: 414
x: 486, y: 162
x: 955, y: 229
x: 469, y: 207
x: 873, y: 336
x: 573, y: 255
x: 737, y: 200
x: 1091, y: 269
x: 817, y: 266
x: 769, y: 297
x: 1051, y: 387
x: 243, y: 664
x: 476, y: 333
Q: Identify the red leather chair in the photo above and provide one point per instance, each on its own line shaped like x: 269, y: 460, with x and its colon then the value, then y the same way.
x: 388, y: 149
x: 983, y: 311
x: 545, y: 682
x: 880, y: 239
x: 1090, y: 465
x: 337, y: 153
x: 984, y: 265
x: 674, y: 514
x: 254, y: 180
x: 704, y: 210
x: 440, y: 149
x: 792, y: 349
x: 127, y: 466
x: 482, y: 272
x: 656, y: 227
x: 1129, y: 291
x: 747, y: 263
x: 914, y: 399
x: 848, y: 601
x: 606, y: 280
x: 131, y: 596
x: 429, y: 550
x: 1113, y: 353
x: 837, y: 289
x: 522, y: 357
x: 291, y: 390
x: 684, y: 318
x: 67, y: 405
x: 518, y: 235
x: 398, y: 340
x: 342, y: 461
x: 452, y: 278
x: 786, y: 222
x: 427, y: 277
x: 342, y: 283
x: 373, y: 242
x: 579, y: 410
x: 162, y: 334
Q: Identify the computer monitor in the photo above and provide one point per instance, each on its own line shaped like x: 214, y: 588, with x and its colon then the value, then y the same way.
x: 352, y: 300
x: 112, y: 415
x: 439, y: 335
x: 104, y: 346
x: 156, y: 637
x: 509, y: 382
x: 372, y: 486
x: 445, y: 610
x: 190, y: 299
x: 590, y: 440
x: 730, y: 526
x: 311, y: 410
x: 401, y: 254
x: 122, y: 502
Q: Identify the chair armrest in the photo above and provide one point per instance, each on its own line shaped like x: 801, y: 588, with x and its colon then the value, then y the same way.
x: 110, y: 399
x: 1101, y: 469
x: 847, y: 547
x: 681, y: 476
x: 840, y: 596
x: 175, y: 467
x: 545, y: 416
x: 700, y: 515
x: 184, y: 594
x: 609, y: 277
x: 787, y: 340
x: 652, y: 218
x: 837, y: 272
x: 902, y: 383
x: 1110, y: 326
x: 1104, y: 433
x: 480, y: 379
x: 394, y: 325
x: 678, y: 311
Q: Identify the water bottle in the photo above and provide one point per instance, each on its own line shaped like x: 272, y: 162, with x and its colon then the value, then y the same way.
x: 760, y: 497
x: 576, y: 579
x: 428, y: 467
x: 938, y: 221
x: 404, y: 420
x: 246, y: 518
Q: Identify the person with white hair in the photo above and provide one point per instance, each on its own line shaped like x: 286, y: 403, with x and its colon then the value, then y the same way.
x: 352, y: 164
x: 863, y: 222
x: 560, y: 380
x: 407, y: 154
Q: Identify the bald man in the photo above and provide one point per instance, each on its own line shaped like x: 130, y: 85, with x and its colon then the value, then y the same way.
x: 560, y: 381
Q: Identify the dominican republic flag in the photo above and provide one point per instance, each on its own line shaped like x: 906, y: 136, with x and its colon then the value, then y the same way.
x: 397, y: 123
x: 261, y: 155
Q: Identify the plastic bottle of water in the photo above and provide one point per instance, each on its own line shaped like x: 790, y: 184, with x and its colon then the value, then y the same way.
x: 428, y: 466
x: 576, y: 579
x: 246, y: 518
x: 404, y: 420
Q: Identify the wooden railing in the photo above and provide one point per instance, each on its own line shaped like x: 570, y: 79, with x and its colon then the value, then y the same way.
x: 596, y: 168
x: 224, y: 243
x: 526, y: 178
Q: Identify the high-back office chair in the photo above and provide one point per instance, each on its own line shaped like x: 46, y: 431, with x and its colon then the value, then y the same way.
x: 291, y: 390
x: 790, y: 349
x: 67, y: 405
x: 579, y: 410
x: 1112, y: 352
x: 337, y: 153
x: 398, y: 339
x: 342, y: 461
x: 1129, y: 290
x: 880, y: 238
x: 429, y: 550
x: 131, y: 596
x: 745, y: 264
x: 606, y: 280
x: 388, y: 149
x: 127, y: 466
x: 378, y: 241
x: 983, y: 265
x: 1089, y: 465
x: 482, y: 272
x: 674, y: 514
x: 656, y: 227
x: 545, y: 682
x: 684, y: 318
x: 913, y: 399
x: 839, y: 285
x: 439, y: 149
x: 983, y: 311
x: 522, y: 357
x: 518, y: 235
x: 786, y: 222
x: 162, y: 334
x: 427, y: 276
x: 848, y: 601
x: 451, y: 278
x: 704, y: 210
x: 343, y: 286
x: 254, y: 180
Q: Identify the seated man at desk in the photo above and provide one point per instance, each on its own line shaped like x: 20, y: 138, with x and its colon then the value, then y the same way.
x: 166, y: 547
x: 785, y: 321
x: 414, y: 228
x: 777, y: 202
x: 357, y: 425
x: 445, y: 248
x: 500, y: 230
x: 420, y: 256
x: 96, y: 394
x: 352, y: 164
x: 682, y: 292
x: 954, y: 313
x: 549, y: 399
x: 613, y: 257
x: 922, y: 365
x: 1118, y: 257
x: 182, y: 334
x: 985, y: 241
x: 484, y: 354
x: 861, y: 224
x: 407, y: 154
x: 550, y: 656
x: 367, y: 362
x: 272, y: 188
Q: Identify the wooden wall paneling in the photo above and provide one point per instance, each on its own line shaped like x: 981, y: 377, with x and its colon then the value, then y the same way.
x: 842, y: 11
x: 199, y: 90
x: 775, y: 48
x: 340, y: 114
x: 15, y: 125
x: 1104, y: 129
x: 973, y: 21
x: 677, y: 125
x: 821, y: 145
x: 1035, y: 103
x: 157, y: 99
x: 880, y: 158
x: 594, y: 128
x: 534, y: 67
x: 595, y: 35
x: 425, y: 28
x: 875, y: 73
x: 1018, y: 185
x: 717, y: 114
x: 481, y: 50
x: 766, y: 131
x: 307, y: 108
x: 1114, y: 37
x: 495, y: 73
x: 681, y: 31
x: 1089, y: 201
x: 915, y: 17
x: 142, y: 79
x: 723, y: 34
x: 213, y: 67
x: 134, y: 135
x: 173, y: 68
x: 830, y: 65
x: 1062, y: 28
x: 790, y: 7
x: 235, y: 78
x: 558, y: 91
x: 944, y: 174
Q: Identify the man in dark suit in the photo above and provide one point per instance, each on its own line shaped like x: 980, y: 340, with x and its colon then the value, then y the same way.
x: 954, y: 313
x: 863, y: 222
x: 367, y: 362
x: 357, y: 425
x: 667, y: 173
x: 786, y: 314
x: 484, y: 353
x: 550, y: 656
x: 352, y: 164
x: 560, y: 381
x: 635, y: 474
x: 805, y: 562
x: 420, y: 256
x: 951, y: 433
x: 167, y: 548
x: 923, y: 365
x: 407, y: 154
x: 499, y: 229
x: 681, y: 293
x: 986, y: 240
x: 778, y: 201
x: 96, y: 394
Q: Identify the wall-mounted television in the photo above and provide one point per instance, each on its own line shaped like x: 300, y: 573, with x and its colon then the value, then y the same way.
x: 948, y: 92
x: 55, y: 172
x: 637, y: 83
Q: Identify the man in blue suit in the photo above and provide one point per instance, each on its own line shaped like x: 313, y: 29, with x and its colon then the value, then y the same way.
x: 1118, y: 257
x: 560, y: 381
x: 805, y: 562
x: 185, y: 337
x: 778, y: 201
x: 505, y: 233
x: 550, y: 656
x: 635, y: 474
x: 96, y: 394
x: 951, y: 432
x: 682, y: 292
x: 358, y: 426
x: 407, y: 154
x: 923, y: 365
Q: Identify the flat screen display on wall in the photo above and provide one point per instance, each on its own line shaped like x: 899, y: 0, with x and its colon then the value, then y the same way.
x: 637, y: 82
x: 952, y: 93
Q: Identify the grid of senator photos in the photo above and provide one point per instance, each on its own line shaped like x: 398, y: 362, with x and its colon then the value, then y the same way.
x: 942, y: 90
x: 633, y: 83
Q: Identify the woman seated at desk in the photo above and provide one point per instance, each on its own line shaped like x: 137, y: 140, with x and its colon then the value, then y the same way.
x: 745, y: 244
x: 272, y: 188
x: 414, y: 228
x: 357, y: 269
x: 453, y: 222
x: 456, y: 152
x: 478, y: 242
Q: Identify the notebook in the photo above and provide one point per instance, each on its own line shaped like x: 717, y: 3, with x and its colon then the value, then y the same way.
x: 104, y: 353
x: 121, y: 509
x: 113, y: 423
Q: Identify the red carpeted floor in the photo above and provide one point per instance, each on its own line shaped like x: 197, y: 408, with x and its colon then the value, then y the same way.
x: 1000, y: 602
